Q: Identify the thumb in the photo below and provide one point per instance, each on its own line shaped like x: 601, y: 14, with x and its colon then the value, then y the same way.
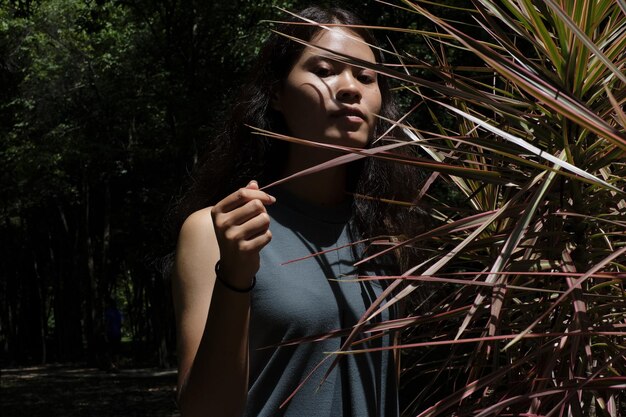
x: 253, y: 185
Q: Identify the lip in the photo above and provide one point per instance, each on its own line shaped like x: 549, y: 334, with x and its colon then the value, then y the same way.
x: 352, y: 114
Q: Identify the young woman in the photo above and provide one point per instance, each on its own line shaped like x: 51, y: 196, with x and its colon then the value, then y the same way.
x: 234, y: 296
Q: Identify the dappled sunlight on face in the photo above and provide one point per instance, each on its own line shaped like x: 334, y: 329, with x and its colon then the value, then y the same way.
x: 328, y: 101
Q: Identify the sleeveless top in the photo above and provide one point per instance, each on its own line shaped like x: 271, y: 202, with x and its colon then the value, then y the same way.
x: 306, y: 298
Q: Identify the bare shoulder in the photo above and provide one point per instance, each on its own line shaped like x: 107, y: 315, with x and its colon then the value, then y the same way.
x: 198, y: 224
x: 197, y: 250
x: 193, y: 280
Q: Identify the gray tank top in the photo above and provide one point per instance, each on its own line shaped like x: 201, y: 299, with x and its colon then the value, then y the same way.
x: 302, y: 299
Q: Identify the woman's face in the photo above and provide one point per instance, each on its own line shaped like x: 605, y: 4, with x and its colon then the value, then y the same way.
x: 327, y: 101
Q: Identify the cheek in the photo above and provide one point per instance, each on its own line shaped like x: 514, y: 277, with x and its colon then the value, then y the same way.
x: 302, y: 103
x: 377, y: 103
x: 298, y: 109
x: 307, y: 97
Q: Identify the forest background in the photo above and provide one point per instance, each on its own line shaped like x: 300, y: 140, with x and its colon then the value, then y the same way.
x: 104, y: 109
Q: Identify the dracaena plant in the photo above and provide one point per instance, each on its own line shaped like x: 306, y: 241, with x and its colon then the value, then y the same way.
x: 526, y: 313
x: 532, y: 306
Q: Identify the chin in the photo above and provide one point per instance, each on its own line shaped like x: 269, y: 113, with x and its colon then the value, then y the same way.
x: 353, y: 139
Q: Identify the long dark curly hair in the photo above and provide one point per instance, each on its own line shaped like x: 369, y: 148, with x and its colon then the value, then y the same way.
x: 238, y: 156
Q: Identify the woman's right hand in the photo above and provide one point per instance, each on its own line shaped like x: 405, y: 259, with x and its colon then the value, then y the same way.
x: 242, y: 229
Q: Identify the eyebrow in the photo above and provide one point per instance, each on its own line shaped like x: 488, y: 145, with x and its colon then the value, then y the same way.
x: 313, y: 59
x: 319, y: 57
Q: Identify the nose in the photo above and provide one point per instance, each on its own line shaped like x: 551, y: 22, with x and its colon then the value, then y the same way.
x: 348, y: 89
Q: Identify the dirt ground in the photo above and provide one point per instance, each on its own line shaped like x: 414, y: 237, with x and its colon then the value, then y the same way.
x: 73, y: 391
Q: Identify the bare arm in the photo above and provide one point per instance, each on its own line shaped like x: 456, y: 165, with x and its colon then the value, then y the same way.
x: 212, y: 320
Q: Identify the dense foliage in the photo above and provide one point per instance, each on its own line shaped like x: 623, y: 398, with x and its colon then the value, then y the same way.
x: 105, y: 106
x: 526, y: 305
x: 104, y: 109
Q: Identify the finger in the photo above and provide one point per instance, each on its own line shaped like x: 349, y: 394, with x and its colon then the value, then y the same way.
x: 257, y: 243
x: 241, y: 197
x: 253, y: 185
x: 255, y: 226
x: 239, y: 215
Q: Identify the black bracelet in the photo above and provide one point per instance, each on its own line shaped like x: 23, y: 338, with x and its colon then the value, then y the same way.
x: 230, y: 286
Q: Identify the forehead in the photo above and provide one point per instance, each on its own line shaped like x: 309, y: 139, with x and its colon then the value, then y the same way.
x: 341, y: 40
